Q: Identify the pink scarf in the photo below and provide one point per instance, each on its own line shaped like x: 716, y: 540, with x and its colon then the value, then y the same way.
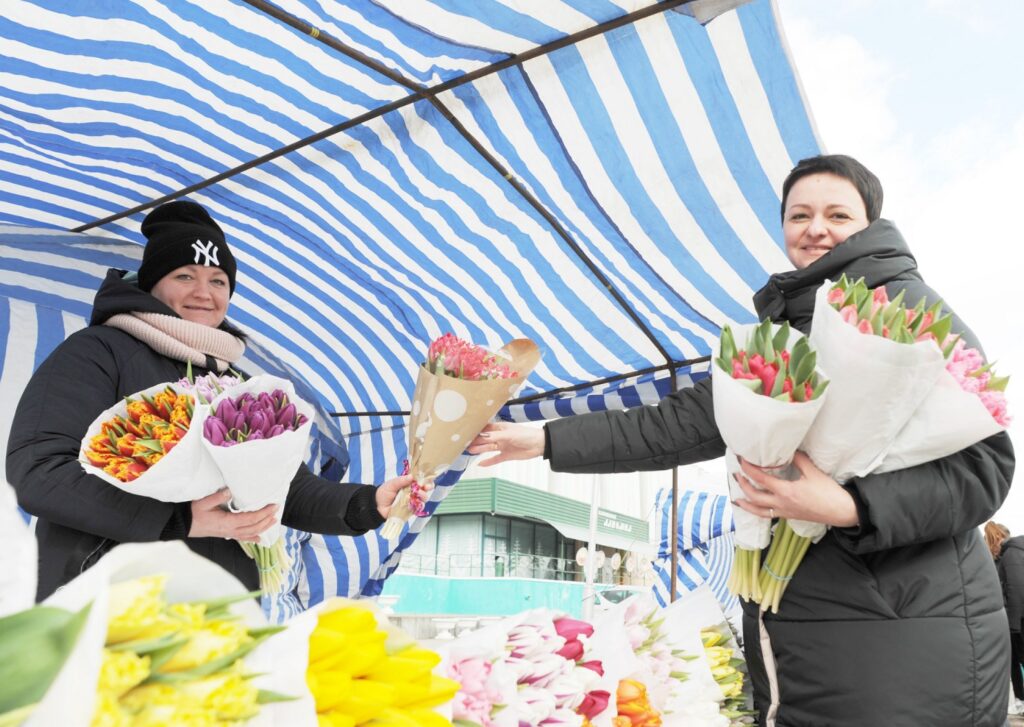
x: 180, y: 339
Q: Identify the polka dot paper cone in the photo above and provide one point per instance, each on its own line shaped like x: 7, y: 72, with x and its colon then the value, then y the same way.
x: 447, y: 413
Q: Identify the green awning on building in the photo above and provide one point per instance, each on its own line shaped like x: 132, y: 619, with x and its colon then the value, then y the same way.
x: 570, y: 517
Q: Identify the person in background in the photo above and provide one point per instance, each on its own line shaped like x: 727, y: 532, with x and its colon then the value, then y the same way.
x: 1009, y: 557
x: 894, y: 618
x: 144, y: 330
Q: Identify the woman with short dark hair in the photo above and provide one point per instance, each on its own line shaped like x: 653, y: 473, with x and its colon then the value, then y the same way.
x: 894, y: 618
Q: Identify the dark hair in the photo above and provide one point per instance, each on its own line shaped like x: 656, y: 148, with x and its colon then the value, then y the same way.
x: 848, y: 168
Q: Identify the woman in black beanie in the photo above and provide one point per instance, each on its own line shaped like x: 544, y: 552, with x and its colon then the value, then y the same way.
x: 145, y: 330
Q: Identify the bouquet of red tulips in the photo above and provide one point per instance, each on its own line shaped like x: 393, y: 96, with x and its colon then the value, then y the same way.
x: 767, y: 394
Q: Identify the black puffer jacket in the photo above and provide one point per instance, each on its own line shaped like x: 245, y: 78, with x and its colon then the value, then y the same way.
x: 1011, y: 575
x: 897, y: 622
x: 81, y: 517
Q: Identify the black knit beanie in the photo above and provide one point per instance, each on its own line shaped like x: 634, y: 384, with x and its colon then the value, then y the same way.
x: 182, y: 233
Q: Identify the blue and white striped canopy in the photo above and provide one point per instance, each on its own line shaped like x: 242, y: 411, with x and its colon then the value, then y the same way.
x: 600, y: 176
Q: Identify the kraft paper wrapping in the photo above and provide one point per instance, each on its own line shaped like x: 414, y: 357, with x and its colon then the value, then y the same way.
x: 447, y: 413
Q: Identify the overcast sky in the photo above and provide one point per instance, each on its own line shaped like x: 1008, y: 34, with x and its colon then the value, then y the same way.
x: 929, y: 95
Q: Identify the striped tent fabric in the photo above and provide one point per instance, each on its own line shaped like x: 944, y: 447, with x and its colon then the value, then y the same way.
x: 705, y: 527
x: 600, y: 176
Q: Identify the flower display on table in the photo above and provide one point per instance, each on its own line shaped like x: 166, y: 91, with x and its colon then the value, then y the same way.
x: 532, y: 668
x: 663, y: 651
x: 459, y: 388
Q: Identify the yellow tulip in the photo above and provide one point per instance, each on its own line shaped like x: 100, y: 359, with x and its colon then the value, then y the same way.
x: 351, y: 619
x: 437, y: 690
x: 120, y: 671
x: 721, y: 672
x: 151, y: 695
x: 324, y: 641
x: 176, y: 715
x: 366, y: 699
x: 189, y: 704
x: 334, y: 719
x: 328, y: 687
x: 355, y: 653
x: 425, y: 717
x: 214, y: 640
x: 134, y: 606
x: 108, y: 712
x: 711, y: 637
x: 226, y: 694
x: 419, y: 654
x: 399, y: 670
x: 392, y: 718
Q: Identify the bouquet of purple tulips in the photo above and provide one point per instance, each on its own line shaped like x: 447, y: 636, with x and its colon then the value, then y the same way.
x: 256, y: 433
x: 249, y: 418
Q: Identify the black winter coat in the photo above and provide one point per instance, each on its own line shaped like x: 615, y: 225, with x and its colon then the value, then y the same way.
x: 1011, y: 575
x: 896, y: 622
x: 81, y: 517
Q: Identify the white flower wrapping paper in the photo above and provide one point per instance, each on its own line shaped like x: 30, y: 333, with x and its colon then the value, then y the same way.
x: 535, y: 685
x: 694, y: 700
x: 698, y: 703
x: 180, y: 475
x: 18, y: 578
x: 762, y: 430
x: 259, y: 472
x: 876, y: 386
x: 948, y: 420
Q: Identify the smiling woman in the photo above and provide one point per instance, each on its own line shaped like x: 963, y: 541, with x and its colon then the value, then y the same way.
x: 146, y: 330
x: 895, y: 616
x: 196, y: 293
x: 824, y: 201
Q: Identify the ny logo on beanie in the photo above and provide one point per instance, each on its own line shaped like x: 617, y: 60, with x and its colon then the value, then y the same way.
x: 207, y: 251
x: 181, y: 233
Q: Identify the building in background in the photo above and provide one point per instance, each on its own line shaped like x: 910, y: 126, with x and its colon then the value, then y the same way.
x: 500, y: 544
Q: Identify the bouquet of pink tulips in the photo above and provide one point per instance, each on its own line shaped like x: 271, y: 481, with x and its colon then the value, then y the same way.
x: 460, y: 387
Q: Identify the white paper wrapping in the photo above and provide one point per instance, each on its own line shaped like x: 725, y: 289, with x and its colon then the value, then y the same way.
x: 181, y: 475
x: 876, y: 385
x: 948, y: 420
x: 685, y: 618
x: 762, y: 430
x: 18, y: 544
x: 259, y: 472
